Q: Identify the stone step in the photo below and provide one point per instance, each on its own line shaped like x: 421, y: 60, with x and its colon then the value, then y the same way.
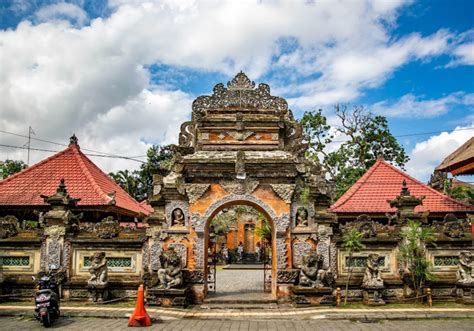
x: 239, y: 305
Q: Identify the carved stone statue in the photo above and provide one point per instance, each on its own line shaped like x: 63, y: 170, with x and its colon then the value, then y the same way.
x: 177, y: 217
x: 312, y: 272
x: 98, y: 282
x: 302, y: 217
x: 464, y: 273
x: 171, y: 272
x: 372, y: 276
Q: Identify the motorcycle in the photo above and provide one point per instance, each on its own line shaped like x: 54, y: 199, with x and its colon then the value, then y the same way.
x: 47, y: 297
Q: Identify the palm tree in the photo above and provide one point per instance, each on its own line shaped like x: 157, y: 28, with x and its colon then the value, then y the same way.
x: 352, y: 243
x: 416, y: 267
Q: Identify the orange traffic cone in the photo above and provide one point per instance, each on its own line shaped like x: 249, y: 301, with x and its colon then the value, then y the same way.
x: 140, y: 317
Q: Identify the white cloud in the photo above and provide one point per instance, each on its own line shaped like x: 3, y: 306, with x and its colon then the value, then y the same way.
x: 428, y: 154
x: 412, y: 106
x: 62, y: 11
x: 62, y: 77
x: 464, y: 55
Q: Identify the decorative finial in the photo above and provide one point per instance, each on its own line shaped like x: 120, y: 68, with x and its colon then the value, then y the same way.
x: 73, y: 140
x: 241, y: 82
x: 405, y: 191
x: 61, y: 188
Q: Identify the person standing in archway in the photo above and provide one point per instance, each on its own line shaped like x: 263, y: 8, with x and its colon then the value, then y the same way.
x: 224, y: 253
x: 240, y: 251
x: 258, y: 251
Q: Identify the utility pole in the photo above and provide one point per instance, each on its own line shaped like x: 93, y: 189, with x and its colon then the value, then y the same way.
x: 30, y: 131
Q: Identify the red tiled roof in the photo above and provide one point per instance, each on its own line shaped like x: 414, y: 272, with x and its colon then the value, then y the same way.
x: 82, y: 177
x: 147, y: 206
x: 383, y: 182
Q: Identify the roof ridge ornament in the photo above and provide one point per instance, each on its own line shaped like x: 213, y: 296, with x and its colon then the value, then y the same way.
x: 73, y: 140
x: 241, y: 82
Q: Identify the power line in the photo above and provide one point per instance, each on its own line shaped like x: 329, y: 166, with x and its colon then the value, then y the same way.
x: 88, y: 154
x: 60, y: 144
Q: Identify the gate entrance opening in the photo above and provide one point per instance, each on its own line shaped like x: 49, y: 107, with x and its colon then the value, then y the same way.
x: 239, y: 253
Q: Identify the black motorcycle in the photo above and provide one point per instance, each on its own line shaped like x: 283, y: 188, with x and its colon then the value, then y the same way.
x: 47, y: 297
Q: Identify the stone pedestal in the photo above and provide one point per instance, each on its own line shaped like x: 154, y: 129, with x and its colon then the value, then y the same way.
x: 373, y: 296
x: 465, y: 293
x: 312, y: 296
x: 168, y: 297
x: 98, y: 293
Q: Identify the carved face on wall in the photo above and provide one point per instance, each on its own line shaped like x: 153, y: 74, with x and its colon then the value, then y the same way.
x: 466, y: 257
x: 302, y: 217
x: 178, y: 217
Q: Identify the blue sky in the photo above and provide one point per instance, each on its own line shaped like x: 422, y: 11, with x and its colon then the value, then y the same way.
x: 123, y: 74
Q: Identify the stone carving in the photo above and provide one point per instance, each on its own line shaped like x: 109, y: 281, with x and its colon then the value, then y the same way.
x: 294, y: 139
x: 182, y: 252
x: 301, y: 217
x: 405, y: 202
x: 155, y: 252
x: 239, y: 197
x: 55, y: 231
x: 296, y: 206
x: 313, y: 273
x: 239, y: 187
x: 282, y: 223
x: 372, y: 276
x: 287, y: 276
x: 324, y: 241
x: 177, y: 217
x: 171, y: 272
x: 172, y: 206
x: 108, y: 228
x: 66, y: 258
x: 333, y: 259
x: 281, y: 249
x: 198, y: 222
x: 464, y: 272
x: 368, y: 227
x: 198, y: 251
x: 453, y: 227
x: 54, y: 254
x: 9, y: 226
x: 98, y: 281
x: 284, y: 191
x: 60, y: 214
x: 187, y: 134
x: 240, y: 135
x: 145, y: 256
x: 241, y: 92
x: 438, y: 180
x: 44, y: 256
x: 300, y: 249
x: 240, y: 82
x: 196, y: 191
x: 193, y: 277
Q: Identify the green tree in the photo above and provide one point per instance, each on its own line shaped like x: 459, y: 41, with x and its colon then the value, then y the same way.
x: 139, y: 183
x: 265, y: 231
x: 10, y: 167
x: 127, y: 180
x: 352, y: 242
x: 417, y: 269
x: 462, y: 193
x: 366, y: 137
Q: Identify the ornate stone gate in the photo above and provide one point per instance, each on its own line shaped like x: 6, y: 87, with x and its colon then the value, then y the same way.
x: 242, y: 146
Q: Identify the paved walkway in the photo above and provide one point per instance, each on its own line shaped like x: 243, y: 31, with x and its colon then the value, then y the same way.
x: 11, y: 323
x: 369, y: 314
x: 239, y: 281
